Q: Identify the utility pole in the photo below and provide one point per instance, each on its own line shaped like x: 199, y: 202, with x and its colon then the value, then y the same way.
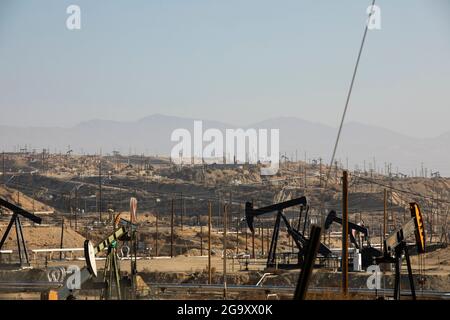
x: 246, y: 240
x: 320, y: 172
x: 201, y: 238
x: 345, y: 233
x: 156, y: 236
x: 237, y: 234
x: 381, y: 237
x: 431, y: 221
x: 374, y: 165
x: 253, y: 244
x: 171, y: 232
x: 305, y: 168
x: 77, y: 205
x: 219, y: 207
x: 4, y: 169
x: 62, y: 238
x: 261, y: 229
x: 100, y: 189
x: 305, y: 174
x: 44, y: 167
x: 209, y: 243
x: 181, y: 211
x: 76, y: 219
x: 225, y: 225
x: 384, y: 218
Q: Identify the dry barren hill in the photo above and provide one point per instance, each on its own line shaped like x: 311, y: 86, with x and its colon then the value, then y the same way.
x: 45, y: 237
x: 26, y: 202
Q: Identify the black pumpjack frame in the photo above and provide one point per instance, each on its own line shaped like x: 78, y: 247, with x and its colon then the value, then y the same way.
x: 300, y: 240
x: 15, y: 220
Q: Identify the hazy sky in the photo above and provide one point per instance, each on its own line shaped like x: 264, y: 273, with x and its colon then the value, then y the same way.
x: 238, y: 61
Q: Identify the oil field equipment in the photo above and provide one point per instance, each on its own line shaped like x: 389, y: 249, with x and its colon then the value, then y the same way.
x: 308, y: 263
x: 15, y: 220
x: 113, y: 285
x: 300, y: 240
x: 368, y: 253
x: 111, y: 271
x: 395, y: 247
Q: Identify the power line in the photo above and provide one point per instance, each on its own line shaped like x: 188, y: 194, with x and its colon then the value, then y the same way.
x: 349, y: 93
x: 404, y: 191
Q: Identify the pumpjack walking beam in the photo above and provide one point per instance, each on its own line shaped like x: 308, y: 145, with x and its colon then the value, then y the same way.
x: 250, y: 212
x: 368, y: 253
x: 332, y: 217
x: 300, y: 240
x: 18, y: 210
x: 15, y: 220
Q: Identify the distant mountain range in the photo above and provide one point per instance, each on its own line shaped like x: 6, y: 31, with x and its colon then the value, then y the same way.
x: 151, y: 135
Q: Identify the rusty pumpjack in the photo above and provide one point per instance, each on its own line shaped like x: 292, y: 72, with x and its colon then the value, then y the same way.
x: 368, y: 253
x: 300, y: 240
x: 395, y: 247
